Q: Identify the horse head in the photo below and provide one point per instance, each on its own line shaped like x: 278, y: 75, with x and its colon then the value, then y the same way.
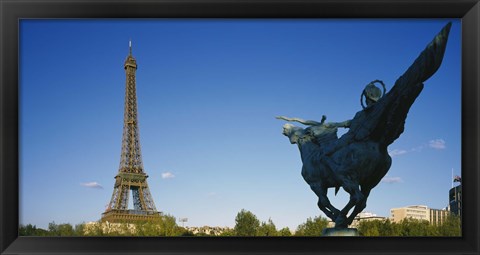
x: 295, y: 134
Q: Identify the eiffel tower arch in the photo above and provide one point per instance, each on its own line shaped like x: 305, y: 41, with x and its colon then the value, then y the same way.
x: 131, y: 176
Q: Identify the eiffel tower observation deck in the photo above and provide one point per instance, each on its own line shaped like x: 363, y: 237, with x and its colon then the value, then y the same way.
x: 131, y: 177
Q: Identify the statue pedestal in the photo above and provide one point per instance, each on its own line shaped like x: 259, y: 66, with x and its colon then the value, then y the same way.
x: 340, y: 232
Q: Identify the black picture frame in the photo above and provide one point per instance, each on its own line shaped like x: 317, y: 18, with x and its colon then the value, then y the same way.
x: 12, y: 11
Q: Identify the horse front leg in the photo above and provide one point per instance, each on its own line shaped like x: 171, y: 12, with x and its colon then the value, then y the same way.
x: 323, y: 201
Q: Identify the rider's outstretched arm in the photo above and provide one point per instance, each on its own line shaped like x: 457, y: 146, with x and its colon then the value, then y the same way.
x: 302, y: 121
x: 344, y: 124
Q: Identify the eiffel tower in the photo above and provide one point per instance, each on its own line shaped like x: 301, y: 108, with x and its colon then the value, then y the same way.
x: 131, y: 176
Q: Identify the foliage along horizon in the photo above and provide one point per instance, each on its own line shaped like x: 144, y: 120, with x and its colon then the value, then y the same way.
x: 247, y: 224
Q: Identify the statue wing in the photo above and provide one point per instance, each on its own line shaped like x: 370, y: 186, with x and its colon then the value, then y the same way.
x: 384, y: 121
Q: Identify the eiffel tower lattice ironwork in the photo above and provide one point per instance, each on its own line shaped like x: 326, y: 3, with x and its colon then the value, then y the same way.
x: 131, y: 176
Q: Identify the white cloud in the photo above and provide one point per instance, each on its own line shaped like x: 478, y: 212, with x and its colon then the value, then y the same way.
x: 167, y: 175
x: 397, y: 152
x: 211, y: 194
x: 93, y: 185
x: 418, y: 148
x: 437, y: 144
x: 387, y: 179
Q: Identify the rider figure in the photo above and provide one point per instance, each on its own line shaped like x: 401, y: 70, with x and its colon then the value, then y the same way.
x: 326, y: 133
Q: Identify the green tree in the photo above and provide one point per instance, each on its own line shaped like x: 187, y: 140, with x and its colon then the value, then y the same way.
x: 410, y: 227
x: 80, y: 229
x: 31, y: 230
x: 228, y: 232
x: 452, y: 226
x: 41, y: 232
x: 246, y: 224
x: 267, y: 229
x: 169, y: 227
x: 389, y: 228
x: 186, y: 232
x: 53, y: 229
x: 28, y: 230
x: 378, y: 228
x: 312, y: 227
x: 64, y: 229
x: 415, y: 227
x: 285, y: 232
x: 369, y: 228
x: 165, y: 226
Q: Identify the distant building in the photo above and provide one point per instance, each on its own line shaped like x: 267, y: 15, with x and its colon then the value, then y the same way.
x: 455, y: 200
x: 437, y: 216
x: 92, y: 228
x: 419, y: 212
x: 215, y: 231
x: 363, y: 216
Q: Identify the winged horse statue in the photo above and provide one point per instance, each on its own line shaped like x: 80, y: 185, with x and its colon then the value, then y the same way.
x: 358, y: 160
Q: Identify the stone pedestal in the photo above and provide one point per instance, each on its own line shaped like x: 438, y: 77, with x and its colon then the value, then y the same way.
x: 340, y: 232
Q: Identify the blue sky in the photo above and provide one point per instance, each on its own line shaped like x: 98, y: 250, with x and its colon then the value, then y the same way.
x: 208, y: 91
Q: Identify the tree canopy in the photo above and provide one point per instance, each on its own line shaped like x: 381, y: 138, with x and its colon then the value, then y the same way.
x: 312, y: 227
x: 246, y: 224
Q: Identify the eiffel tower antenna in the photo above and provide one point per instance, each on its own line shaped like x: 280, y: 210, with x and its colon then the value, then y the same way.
x: 131, y: 176
x: 130, y: 46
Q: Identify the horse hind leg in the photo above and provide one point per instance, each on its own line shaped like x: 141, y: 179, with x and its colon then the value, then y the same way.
x: 356, y: 197
x: 360, y: 206
x: 324, y: 203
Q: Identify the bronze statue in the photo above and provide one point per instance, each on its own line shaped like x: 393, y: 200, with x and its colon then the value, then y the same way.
x: 358, y: 160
